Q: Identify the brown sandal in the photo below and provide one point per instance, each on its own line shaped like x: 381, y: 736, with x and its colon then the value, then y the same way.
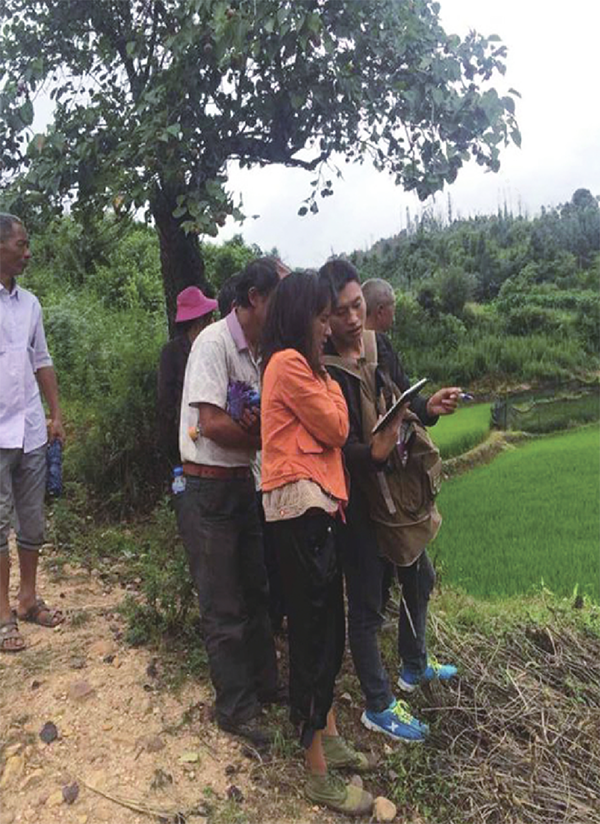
x: 9, y: 636
x: 43, y: 615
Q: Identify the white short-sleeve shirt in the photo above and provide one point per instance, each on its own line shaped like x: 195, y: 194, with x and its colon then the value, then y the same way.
x: 220, y: 355
x: 23, y: 351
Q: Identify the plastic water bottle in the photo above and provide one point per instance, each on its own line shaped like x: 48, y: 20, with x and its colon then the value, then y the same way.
x: 178, y: 483
x: 54, y: 464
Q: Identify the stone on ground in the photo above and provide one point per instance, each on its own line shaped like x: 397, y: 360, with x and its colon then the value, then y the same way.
x: 13, y: 770
x: 384, y: 809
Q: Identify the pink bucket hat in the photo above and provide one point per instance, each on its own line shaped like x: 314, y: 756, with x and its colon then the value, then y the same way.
x: 192, y: 303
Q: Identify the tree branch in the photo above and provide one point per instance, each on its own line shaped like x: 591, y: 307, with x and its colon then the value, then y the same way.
x: 249, y: 148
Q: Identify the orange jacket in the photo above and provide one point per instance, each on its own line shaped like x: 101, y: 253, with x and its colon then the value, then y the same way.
x: 304, y: 424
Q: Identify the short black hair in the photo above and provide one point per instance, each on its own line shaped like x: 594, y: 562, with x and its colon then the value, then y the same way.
x: 297, y: 301
x: 6, y: 225
x: 260, y: 274
x: 340, y: 273
x: 226, y: 294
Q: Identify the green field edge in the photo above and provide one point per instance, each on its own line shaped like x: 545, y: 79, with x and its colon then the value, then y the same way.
x: 497, y: 442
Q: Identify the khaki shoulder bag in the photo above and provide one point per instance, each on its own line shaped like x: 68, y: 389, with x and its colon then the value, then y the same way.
x: 401, y: 496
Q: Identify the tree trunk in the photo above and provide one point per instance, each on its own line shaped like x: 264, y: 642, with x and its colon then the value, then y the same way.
x: 180, y: 256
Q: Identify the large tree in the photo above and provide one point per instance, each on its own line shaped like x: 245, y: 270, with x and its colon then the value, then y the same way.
x: 153, y: 99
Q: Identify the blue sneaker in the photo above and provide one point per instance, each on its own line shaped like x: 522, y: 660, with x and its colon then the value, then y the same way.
x: 396, y: 722
x: 409, y: 680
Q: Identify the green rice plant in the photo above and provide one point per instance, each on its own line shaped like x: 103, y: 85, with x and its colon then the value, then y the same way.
x: 528, y: 520
x: 455, y: 434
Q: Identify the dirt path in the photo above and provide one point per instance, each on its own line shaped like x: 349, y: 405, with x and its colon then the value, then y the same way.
x: 120, y: 730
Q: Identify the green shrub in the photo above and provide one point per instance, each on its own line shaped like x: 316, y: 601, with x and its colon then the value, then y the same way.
x: 131, y: 276
x: 106, y: 362
x: 527, y: 319
x: 167, y: 607
x: 117, y: 452
x: 499, y: 359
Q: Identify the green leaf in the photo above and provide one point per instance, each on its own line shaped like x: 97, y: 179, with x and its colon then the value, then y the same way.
x: 516, y: 137
x: 26, y: 112
x: 509, y: 104
x: 36, y: 144
x: 302, y: 211
x: 130, y: 48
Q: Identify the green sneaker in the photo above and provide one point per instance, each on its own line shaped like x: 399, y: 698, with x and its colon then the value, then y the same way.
x: 332, y: 792
x: 341, y: 755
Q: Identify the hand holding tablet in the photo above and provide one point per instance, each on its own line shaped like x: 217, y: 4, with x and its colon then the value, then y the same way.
x: 405, y: 397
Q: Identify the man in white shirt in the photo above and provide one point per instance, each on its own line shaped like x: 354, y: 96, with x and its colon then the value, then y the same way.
x: 217, y: 511
x: 25, y: 369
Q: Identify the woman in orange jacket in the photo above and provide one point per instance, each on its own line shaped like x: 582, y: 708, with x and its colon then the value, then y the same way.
x: 304, y: 426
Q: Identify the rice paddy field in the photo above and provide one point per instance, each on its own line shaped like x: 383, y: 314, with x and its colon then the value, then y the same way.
x: 455, y: 434
x: 529, y: 519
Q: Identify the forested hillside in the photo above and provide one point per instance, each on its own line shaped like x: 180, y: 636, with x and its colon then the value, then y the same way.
x: 496, y: 298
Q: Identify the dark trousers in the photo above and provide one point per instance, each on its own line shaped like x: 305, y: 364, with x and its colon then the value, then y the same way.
x: 365, y: 573
x: 367, y: 577
x: 313, y: 589
x: 417, y: 582
x: 220, y: 528
x: 276, y: 600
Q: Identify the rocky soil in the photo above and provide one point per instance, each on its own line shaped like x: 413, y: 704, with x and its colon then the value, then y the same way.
x: 117, y: 743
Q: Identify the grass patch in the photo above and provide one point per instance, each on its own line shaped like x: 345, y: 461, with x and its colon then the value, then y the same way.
x: 527, y: 665
x: 527, y: 520
x: 80, y: 618
x: 455, y: 434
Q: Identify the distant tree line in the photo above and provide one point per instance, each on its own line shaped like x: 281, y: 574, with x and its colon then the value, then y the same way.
x: 498, y: 298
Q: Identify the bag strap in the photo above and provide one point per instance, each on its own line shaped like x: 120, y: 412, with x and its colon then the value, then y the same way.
x: 343, y: 365
x: 370, y: 357
x: 370, y: 346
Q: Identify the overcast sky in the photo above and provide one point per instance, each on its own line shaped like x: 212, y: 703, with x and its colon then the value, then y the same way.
x: 552, y: 61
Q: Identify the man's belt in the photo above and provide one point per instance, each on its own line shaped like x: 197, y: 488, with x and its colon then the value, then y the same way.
x: 221, y: 473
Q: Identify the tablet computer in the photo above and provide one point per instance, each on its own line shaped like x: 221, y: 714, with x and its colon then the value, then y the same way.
x: 406, y: 396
